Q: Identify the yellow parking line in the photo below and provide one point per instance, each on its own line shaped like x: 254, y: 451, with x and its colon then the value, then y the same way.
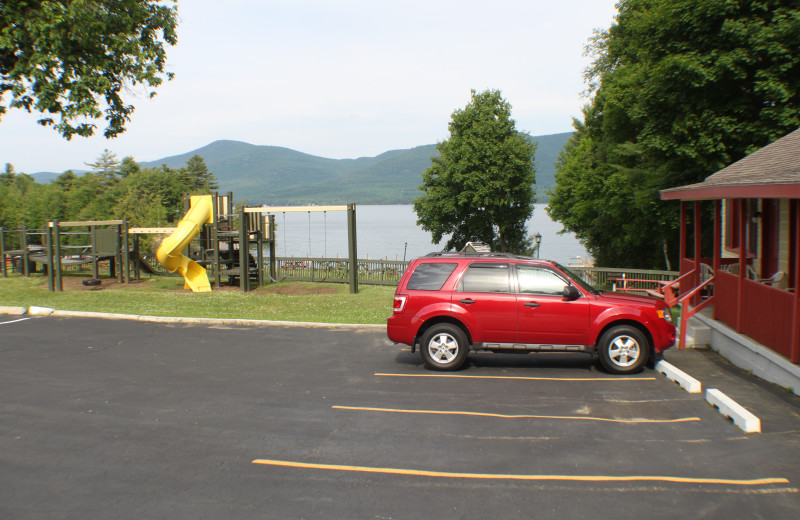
x: 504, y: 416
x: 607, y: 379
x: 574, y: 478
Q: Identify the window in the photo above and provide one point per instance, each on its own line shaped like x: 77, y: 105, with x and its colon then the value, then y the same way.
x: 533, y: 280
x: 430, y: 277
x: 485, y: 278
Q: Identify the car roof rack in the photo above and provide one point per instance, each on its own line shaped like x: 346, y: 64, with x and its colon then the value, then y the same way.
x: 491, y: 254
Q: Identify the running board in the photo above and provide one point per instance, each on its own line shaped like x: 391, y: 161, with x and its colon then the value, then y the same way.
x: 527, y: 347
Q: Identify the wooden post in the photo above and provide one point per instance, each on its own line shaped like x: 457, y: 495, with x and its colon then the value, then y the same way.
x: 697, y: 247
x: 3, y: 253
x: 742, y: 263
x: 48, y: 241
x: 93, y: 234
x: 137, y: 265
x: 244, y: 258
x: 273, y: 269
x: 59, y: 286
x: 717, y: 242
x: 215, y: 240
x: 352, y: 247
x: 794, y: 349
x: 23, y: 239
x: 126, y: 254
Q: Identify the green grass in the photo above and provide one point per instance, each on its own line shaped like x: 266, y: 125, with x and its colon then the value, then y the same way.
x: 165, y: 296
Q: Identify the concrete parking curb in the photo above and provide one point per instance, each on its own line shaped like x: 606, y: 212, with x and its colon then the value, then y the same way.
x: 680, y: 377
x: 740, y: 416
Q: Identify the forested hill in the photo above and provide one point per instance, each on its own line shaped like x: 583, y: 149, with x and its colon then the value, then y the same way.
x: 275, y: 175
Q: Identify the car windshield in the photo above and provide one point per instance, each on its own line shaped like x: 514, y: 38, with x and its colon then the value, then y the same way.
x: 578, y: 280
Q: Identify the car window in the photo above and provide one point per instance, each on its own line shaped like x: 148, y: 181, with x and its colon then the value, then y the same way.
x: 430, y: 277
x: 485, y: 278
x: 534, y: 280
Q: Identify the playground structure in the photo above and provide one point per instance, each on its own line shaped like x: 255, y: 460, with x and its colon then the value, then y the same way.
x: 210, y: 238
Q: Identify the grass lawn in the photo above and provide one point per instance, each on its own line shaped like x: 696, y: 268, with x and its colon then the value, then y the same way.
x: 165, y: 296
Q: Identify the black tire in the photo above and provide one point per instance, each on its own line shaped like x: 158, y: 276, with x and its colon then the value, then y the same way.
x: 444, y: 347
x: 623, y: 349
x: 91, y: 282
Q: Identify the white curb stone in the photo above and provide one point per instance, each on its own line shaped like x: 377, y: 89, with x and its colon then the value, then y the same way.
x: 740, y: 416
x: 17, y: 311
x: 40, y: 311
x: 680, y: 377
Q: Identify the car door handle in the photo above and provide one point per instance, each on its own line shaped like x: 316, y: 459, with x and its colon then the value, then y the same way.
x: 467, y: 301
x: 532, y: 304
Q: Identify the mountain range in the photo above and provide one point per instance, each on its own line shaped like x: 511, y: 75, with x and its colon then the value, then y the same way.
x: 282, y: 176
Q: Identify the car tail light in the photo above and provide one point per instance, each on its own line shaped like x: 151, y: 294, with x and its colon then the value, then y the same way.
x: 399, y: 303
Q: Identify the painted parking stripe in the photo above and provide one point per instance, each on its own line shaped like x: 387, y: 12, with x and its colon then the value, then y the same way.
x: 522, y: 378
x: 504, y: 416
x: 573, y: 478
x: 13, y: 321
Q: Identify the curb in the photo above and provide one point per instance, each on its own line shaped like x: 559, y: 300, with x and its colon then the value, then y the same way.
x: 680, y: 377
x: 740, y: 416
x: 46, y: 311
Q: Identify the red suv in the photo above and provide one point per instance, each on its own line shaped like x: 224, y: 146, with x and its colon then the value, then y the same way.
x: 448, y: 304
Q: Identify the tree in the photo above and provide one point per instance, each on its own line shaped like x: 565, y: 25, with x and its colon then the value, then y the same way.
x: 680, y: 89
x: 481, y: 185
x: 106, y: 166
x: 73, y: 59
x: 7, y: 177
x: 200, y: 180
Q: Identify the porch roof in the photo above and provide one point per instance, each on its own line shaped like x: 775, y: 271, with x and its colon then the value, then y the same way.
x: 771, y: 172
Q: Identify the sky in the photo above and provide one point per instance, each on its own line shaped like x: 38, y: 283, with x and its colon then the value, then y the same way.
x: 339, y: 79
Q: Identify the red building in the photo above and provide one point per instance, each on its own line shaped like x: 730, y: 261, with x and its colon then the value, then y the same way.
x: 751, y: 267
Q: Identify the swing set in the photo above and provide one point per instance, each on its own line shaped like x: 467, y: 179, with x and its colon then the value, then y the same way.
x: 352, y: 246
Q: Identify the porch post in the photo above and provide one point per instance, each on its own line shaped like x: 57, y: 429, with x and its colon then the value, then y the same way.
x: 742, y: 264
x: 697, y: 256
x: 794, y: 348
x: 682, y: 252
x: 717, y: 241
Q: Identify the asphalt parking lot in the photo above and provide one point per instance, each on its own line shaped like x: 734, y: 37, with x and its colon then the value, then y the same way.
x: 123, y: 419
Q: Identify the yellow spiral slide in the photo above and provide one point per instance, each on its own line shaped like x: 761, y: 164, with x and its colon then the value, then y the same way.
x: 169, y: 252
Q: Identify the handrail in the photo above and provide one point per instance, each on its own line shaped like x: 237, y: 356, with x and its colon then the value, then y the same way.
x: 687, y: 313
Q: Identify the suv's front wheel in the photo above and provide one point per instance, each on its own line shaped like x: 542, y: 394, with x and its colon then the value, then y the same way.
x: 623, y: 349
x: 444, y: 347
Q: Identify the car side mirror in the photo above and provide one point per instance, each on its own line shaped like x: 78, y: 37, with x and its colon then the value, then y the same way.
x: 571, y: 293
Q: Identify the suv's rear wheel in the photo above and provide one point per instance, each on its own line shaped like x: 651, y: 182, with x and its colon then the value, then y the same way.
x: 623, y: 349
x: 444, y: 347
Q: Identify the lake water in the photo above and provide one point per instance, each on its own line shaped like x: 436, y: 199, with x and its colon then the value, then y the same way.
x: 391, y: 232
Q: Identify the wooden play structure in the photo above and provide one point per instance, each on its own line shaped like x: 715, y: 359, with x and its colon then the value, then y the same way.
x: 213, y: 244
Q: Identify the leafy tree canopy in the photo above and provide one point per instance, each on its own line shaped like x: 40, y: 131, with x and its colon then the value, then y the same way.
x: 73, y: 59
x: 681, y: 89
x: 481, y: 186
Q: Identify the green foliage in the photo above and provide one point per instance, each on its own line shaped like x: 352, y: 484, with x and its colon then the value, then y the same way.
x: 162, y: 296
x: 681, y: 89
x: 73, y: 59
x: 148, y: 197
x: 481, y: 186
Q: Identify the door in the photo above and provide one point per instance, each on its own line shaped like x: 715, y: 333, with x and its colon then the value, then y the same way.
x: 486, y: 302
x: 545, y: 316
